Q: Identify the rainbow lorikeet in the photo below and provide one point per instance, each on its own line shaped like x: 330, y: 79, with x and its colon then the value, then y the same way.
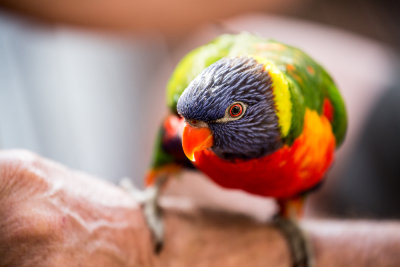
x: 252, y: 114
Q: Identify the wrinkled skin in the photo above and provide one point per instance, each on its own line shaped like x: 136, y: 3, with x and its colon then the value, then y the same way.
x: 53, y: 216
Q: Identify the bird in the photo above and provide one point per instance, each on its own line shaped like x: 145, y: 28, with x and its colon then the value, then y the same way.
x: 252, y: 114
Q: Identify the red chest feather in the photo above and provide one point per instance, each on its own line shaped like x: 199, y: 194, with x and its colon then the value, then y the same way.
x: 282, y: 174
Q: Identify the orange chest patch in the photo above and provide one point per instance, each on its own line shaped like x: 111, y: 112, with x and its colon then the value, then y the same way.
x: 282, y: 174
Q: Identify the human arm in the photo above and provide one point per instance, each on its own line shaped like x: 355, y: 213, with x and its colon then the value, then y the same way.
x: 53, y: 216
x: 170, y: 17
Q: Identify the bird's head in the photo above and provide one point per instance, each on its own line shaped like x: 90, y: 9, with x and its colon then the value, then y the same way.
x: 229, y: 108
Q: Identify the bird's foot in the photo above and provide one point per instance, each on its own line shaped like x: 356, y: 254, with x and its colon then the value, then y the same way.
x: 148, y: 198
x: 297, y: 241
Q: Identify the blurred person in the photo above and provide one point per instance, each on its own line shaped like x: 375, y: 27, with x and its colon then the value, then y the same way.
x: 53, y: 16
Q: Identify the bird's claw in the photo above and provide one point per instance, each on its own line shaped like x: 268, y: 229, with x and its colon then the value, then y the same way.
x: 148, y: 198
x: 297, y: 241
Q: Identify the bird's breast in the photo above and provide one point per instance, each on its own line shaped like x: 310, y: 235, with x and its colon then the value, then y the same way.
x: 282, y: 174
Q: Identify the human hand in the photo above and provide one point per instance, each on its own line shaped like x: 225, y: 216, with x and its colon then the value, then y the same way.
x: 53, y: 216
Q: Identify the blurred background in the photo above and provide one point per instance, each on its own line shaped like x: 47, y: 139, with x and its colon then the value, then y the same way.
x: 83, y: 83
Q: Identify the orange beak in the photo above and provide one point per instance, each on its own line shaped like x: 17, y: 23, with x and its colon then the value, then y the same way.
x: 195, y: 139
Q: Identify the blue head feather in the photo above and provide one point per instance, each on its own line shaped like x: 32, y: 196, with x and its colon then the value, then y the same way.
x: 229, y: 80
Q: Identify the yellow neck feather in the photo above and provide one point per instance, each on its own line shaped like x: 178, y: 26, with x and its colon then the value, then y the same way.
x: 280, y: 88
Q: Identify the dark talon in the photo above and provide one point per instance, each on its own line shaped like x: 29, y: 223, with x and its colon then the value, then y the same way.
x: 152, y: 211
x: 297, y: 241
x: 158, y: 247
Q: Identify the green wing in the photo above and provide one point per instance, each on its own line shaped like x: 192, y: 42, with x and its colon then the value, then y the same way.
x: 309, y: 83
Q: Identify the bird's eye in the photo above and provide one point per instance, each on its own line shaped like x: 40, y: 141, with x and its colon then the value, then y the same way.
x: 233, y: 112
x: 236, y: 110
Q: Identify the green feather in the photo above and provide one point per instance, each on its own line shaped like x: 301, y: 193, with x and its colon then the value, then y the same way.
x: 160, y: 157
